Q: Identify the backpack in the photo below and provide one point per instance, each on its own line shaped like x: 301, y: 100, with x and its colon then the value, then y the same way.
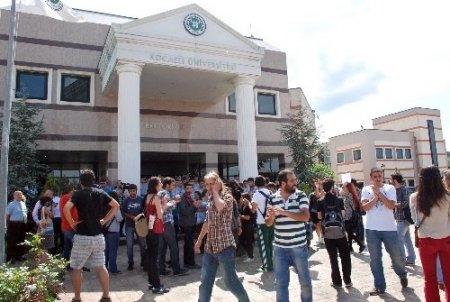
x: 267, y: 200
x: 332, y: 222
x: 406, y: 210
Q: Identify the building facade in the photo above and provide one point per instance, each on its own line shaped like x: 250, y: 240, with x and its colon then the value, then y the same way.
x: 174, y: 93
x: 402, y: 142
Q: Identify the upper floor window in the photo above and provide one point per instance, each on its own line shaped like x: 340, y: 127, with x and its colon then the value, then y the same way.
x: 340, y: 157
x: 267, y: 104
x: 399, y: 153
x: 411, y: 183
x: 379, y: 153
x: 231, y: 103
x: 408, y: 153
x: 356, y: 154
x: 75, y: 88
x: 388, y: 153
x: 32, y: 85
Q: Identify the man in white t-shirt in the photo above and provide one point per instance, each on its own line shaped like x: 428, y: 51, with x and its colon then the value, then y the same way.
x: 379, y: 200
x: 260, y: 200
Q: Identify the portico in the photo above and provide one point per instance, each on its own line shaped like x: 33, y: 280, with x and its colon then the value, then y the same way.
x: 184, y: 56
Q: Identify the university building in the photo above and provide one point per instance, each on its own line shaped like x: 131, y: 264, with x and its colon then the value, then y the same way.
x: 402, y: 142
x: 168, y: 94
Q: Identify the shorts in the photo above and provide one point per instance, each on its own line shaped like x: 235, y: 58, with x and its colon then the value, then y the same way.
x: 314, y: 218
x: 87, y: 248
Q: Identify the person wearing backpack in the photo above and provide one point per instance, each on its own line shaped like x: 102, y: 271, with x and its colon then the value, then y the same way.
x: 402, y: 215
x: 331, y: 211
x: 265, y: 233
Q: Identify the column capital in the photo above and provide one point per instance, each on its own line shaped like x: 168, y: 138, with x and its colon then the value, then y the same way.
x: 129, y: 67
x: 244, y: 80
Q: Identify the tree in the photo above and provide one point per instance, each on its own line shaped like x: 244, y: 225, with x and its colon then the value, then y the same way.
x: 23, y: 164
x: 302, y: 138
x: 321, y: 171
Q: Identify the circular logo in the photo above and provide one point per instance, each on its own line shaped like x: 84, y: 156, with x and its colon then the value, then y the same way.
x: 55, y: 4
x: 195, y: 24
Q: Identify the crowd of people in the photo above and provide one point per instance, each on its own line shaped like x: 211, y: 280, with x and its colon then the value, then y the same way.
x: 221, y: 221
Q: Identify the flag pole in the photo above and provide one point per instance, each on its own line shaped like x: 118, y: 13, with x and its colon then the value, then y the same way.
x: 6, y: 129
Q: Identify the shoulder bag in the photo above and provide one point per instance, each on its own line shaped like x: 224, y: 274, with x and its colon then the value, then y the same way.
x: 416, y: 230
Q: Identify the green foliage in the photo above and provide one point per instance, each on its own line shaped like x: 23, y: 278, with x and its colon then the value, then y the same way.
x: 38, y: 279
x: 302, y: 139
x: 321, y: 171
x: 55, y: 184
x: 305, y: 188
x: 23, y: 165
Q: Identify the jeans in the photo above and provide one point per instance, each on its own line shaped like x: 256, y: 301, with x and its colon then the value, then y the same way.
x: 404, y: 238
x: 282, y: 259
x: 429, y: 250
x: 189, y: 256
x: 341, y: 245
x: 130, y: 231
x: 392, y: 246
x: 440, y: 275
x: 111, y: 247
x: 169, y: 238
x: 210, y: 263
x: 152, y: 240
x: 68, y: 243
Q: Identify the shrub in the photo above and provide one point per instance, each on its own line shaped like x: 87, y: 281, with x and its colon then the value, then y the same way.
x: 39, y: 278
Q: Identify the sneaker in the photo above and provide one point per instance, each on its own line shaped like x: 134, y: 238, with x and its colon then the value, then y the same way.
x: 130, y: 267
x: 404, y: 282
x: 409, y: 263
x: 376, y: 292
x: 105, y: 299
x: 441, y: 286
x: 248, y: 260
x: 349, y: 284
x: 161, y: 290
x: 182, y: 272
x: 336, y: 286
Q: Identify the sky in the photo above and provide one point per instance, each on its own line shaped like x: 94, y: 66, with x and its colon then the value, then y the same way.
x: 355, y: 60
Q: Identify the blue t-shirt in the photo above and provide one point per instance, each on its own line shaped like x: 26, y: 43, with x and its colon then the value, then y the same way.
x: 133, y: 207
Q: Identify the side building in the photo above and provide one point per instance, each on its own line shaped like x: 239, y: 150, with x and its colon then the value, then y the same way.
x: 402, y: 142
x: 169, y: 94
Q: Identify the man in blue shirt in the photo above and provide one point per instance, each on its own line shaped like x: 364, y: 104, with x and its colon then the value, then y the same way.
x: 132, y: 206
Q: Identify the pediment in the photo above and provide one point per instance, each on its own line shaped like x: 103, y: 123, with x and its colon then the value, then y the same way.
x: 169, y: 27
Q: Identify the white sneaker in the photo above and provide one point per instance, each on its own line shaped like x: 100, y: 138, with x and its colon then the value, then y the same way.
x: 248, y: 259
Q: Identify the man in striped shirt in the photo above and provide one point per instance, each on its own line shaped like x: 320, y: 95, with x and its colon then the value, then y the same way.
x: 289, y: 210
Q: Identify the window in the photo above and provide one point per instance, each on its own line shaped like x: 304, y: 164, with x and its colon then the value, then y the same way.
x: 267, y: 104
x: 379, y: 153
x: 399, y: 153
x: 432, y: 139
x: 408, y: 154
x: 388, y: 153
x: 32, y: 84
x: 411, y: 183
x: 231, y: 103
x: 75, y: 88
x: 356, y: 154
x: 340, y: 157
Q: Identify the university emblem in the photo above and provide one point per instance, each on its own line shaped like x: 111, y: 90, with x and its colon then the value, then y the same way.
x: 195, y: 24
x: 56, y: 5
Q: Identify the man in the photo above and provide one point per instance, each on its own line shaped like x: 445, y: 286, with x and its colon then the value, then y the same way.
x: 132, y: 206
x: 89, y: 242
x: 67, y: 231
x: 402, y: 223
x: 289, y: 211
x: 220, y: 245
x: 250, y: 188
x: 378, y: 200
x: 169, y: 237
x: 188, y: 223
x: 331, y: 211
x: 144, y: 186
x: 37, y: 206
x: 16, y: 221
x: 260, y: 201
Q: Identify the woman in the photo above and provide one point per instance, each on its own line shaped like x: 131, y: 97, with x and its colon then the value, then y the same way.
x: 45, y: 223
x: 153, y: 208
x: 16, y: 220
x: 112, y: 238
x: 352, y: 214
x: 430, y: 209
x: 247, y: 237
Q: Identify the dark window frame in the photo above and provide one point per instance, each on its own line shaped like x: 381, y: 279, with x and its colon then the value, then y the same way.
x: 81, y: 76
x: 376, y: 153
x: 402, y: 153
x: 31, y: 72
x: 356, y: 152
x: 229, y: 107
x: 337, y: 157
x: 386, y: 153
x: 274, y: 96
x: 409, y: 152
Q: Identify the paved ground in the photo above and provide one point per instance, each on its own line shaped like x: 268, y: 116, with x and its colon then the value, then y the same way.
x: 132, y: 286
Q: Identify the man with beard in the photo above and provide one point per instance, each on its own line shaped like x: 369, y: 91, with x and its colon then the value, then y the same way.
x: 289, y: 211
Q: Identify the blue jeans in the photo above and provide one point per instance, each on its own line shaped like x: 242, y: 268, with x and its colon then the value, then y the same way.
x: 169, y: 238
x: 68, y: 243
x: 404, y: 238
x: 111, y: 246
x: 282, y: 259
x: 210, y: 263
x: 130, y: 231
x: 392, y: 246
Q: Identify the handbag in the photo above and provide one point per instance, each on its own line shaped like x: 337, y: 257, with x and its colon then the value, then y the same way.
x: 45, y: 226
x: 140, y: 224
x: 158, y: 226
x: 416, y: 231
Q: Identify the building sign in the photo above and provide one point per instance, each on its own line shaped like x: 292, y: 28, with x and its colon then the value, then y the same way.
x: 195, y: 24
x: 192, y: 62
x: 161, y: 125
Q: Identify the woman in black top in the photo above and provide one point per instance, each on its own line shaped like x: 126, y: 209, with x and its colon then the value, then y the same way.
x: 246, y: 239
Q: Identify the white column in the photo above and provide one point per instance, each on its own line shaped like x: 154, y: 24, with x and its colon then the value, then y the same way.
x: 129, y: 128
x: 246, y: 127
